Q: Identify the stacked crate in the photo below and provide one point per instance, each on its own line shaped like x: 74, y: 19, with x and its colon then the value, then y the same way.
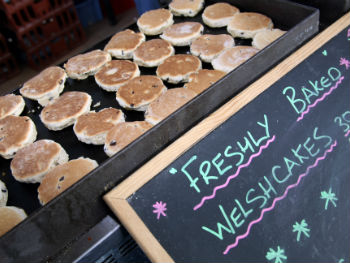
x: 44, y: 29
x: 8, y: 64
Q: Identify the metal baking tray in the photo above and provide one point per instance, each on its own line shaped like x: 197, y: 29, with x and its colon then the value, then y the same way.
x: 49, y: 231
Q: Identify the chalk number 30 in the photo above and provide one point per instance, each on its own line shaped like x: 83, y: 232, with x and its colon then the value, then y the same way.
x: 344, y: 120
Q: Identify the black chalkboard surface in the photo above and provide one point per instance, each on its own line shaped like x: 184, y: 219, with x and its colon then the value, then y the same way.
x: 269, y: 184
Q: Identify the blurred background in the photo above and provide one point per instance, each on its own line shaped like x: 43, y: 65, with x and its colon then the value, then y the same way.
x: 35, y: 34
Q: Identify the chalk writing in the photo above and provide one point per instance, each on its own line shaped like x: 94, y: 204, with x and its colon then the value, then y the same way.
x: 278, y: 256
x: 228, y: 248
x: 344, y: 62
x: 173, y: 171
x: 265, y: 189
x: 300, y: 228
x: 344, y: 122
x: 329, y: 196
x: 234, y: 175
x: 320, y: 99
x: 211, y: 170
x: 324, y: 52
x: 160, y: 208
x: 299, y: 99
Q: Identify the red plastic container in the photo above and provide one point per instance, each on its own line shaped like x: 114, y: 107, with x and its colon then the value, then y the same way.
x: 122, y: 6
x: 51, y: 25
x: 48, y: 51
x: 8, y: 67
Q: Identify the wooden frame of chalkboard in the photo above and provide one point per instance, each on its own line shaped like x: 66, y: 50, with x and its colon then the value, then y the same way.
x: 119, y: 198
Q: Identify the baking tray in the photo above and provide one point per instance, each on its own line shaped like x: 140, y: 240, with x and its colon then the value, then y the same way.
x: 48, y: 231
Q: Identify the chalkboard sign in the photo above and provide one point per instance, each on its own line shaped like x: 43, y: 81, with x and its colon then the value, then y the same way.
x: 263, y: 179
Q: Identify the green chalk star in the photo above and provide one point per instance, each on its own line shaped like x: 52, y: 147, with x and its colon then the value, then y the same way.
x: 278, y: 256
x: 329, y: 196
x: 301, y: 227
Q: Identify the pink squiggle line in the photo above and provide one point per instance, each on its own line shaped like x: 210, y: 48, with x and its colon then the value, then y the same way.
x: 234, y: 175
x: 320, y: 99
x: 229, y: 247
x: 347, y: 134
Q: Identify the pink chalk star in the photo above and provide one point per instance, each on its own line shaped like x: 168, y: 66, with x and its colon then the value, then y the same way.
x: 160, y: 207
x: 345, y: 62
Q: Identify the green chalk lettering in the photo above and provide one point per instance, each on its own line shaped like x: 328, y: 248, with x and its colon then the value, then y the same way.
x: 296, y: 153
x: 309, y: 148
x: 308, y: 93
x: 245, y: 213
x: 249, y: 201
x: 322, y: 137
x: 220, y: 227
x: 204, y: 170
x: 238, y: 154
x: 235, y: 219
x: 346, y: 116
x: 325, y: 82
x: 193, y: 182
x: 265, y: 125
x: 290, y: 164
x: 314, y: 85
x: 269, y: 189
x: 298, y: 105
x: 247, y: 145
x: 278, y: 180
x: 334, y: 73
x: 219, y: 164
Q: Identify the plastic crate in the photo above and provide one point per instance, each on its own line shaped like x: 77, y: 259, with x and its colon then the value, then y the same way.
x: 8, y: 67
x: 41, y: 31
x: 89, y: 12
x: 20, y: 13
x: 3, y: 46
x: 44, y: 54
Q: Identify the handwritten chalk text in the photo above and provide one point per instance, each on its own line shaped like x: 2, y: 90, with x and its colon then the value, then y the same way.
x: 299, y: 99
x: 237, y: 214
